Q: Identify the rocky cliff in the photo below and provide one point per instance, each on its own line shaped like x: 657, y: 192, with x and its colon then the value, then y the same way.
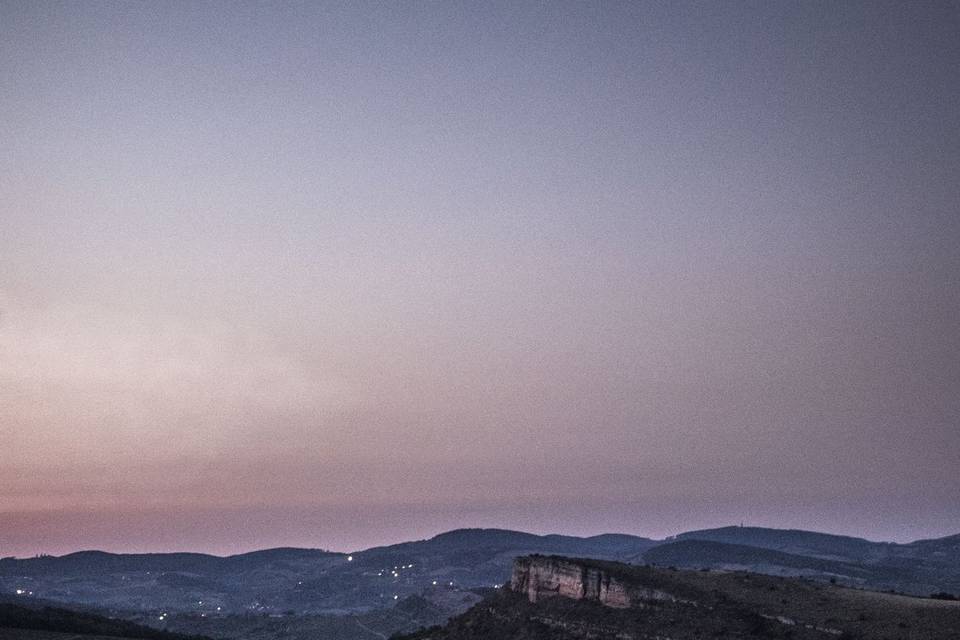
x: 540, y: 577
x: 557, y: 598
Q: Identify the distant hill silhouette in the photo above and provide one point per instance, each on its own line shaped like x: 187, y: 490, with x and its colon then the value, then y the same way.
x: 919, y: 568
x: 795, y: 541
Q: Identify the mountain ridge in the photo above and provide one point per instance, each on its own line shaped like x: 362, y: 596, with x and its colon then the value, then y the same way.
x: 315, y: 581
x: 452, y: 533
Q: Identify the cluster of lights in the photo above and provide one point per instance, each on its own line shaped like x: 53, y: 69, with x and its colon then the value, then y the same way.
x: 163, y: 616
x: 24, y: 592
x: 395, y: 572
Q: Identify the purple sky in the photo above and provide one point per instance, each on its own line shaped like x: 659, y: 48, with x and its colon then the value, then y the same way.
x: 320, y: 275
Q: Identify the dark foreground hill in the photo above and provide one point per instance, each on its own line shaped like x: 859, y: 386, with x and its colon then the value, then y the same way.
x: 554, y: 598
x: 17, y: 621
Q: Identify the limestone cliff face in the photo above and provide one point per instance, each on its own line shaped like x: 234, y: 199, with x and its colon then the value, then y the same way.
x: 540, y: 577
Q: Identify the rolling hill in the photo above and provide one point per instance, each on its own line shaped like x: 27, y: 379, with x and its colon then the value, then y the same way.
x: 309, y: 593
x: 918, y: 568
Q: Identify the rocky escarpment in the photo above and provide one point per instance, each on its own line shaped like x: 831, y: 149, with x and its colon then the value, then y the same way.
x: 540, y: 577
x: 557, y: 598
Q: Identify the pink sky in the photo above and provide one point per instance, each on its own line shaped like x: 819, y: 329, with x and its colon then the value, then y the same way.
x: 277, y: 275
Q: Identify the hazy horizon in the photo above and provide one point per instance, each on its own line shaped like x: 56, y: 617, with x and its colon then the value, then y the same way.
x: 231, y: 550
x: 317, y: 274
x: 105, y: 527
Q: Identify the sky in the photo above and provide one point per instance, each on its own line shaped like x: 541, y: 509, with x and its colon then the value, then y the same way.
x: 336, y: 275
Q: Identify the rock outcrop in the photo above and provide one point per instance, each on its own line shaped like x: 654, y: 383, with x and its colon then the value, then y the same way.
x: 540, y: 577
x: 558, y: 598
